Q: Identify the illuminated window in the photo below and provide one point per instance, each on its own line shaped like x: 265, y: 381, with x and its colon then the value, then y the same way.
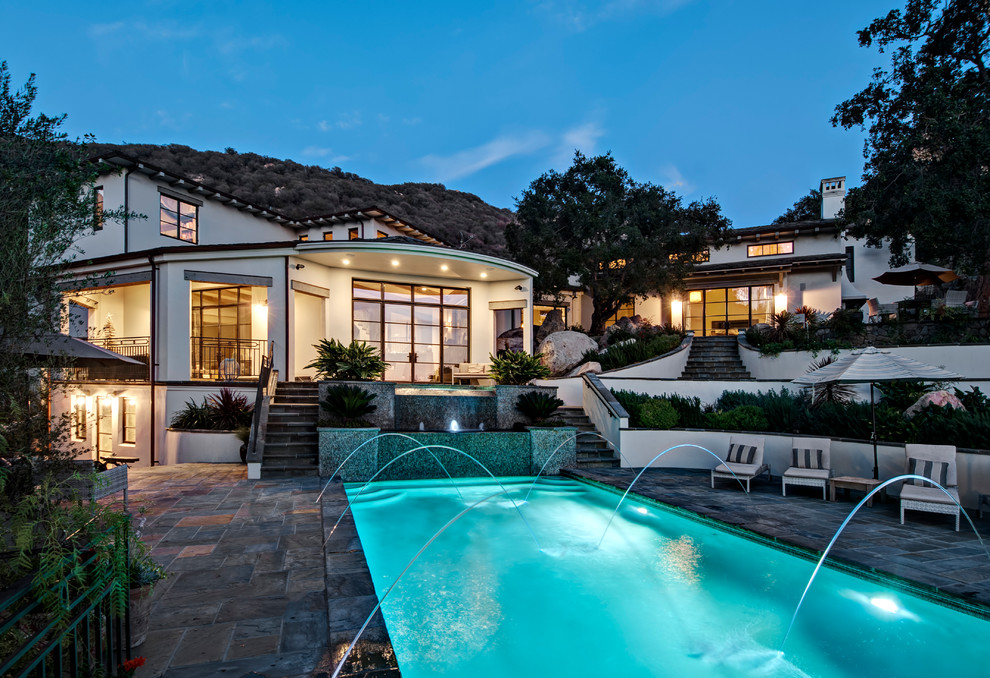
x: 625, y: 311
x: 328, y: 235
x: 79, y: 418
x: 98, y: 209
x: 770, y: 249
x: 179, y: 219
x: 104, y: 420
x: 697, y: 257
x: 304, y: 238
x: 128, y: 421
x: 352, y: 234
x: 382, y: 234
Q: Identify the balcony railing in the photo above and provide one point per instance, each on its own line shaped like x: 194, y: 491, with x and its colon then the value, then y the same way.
x: 225, y: 359
x: 138, y: 348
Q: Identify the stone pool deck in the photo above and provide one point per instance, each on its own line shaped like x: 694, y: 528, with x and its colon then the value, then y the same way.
x: 253, y: 591
x: 926, y: 550
x: 251, y: 588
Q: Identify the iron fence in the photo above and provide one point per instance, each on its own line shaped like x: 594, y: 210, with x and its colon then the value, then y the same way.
x: 91, y: 638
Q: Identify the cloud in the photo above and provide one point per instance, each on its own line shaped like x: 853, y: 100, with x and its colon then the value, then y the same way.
x: 674, y: 180
x: 580, y: 15
x: 343, y: 121
x: 471, y: 160
x: 326, y: 153
x: 582, y: 138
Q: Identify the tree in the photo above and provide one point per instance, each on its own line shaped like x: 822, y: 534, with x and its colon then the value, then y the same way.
x: 618, y: 238
x: 808, y: 208
x: 47, y: 203
x: 926, y: 181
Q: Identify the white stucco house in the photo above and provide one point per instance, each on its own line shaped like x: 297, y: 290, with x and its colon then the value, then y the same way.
x: 206, y: 284
x: 763, y: 270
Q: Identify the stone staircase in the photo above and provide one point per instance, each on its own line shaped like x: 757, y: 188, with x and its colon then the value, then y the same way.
x: 715, y: 359
x: 592, y: 451
x: 291, y: 440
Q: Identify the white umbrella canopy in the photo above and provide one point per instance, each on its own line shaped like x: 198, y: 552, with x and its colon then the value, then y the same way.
x: 870, y: 366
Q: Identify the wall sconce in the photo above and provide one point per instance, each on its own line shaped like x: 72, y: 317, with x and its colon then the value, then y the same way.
x: 520, y: 288
x: 780, y: 302
x: 299, y: 267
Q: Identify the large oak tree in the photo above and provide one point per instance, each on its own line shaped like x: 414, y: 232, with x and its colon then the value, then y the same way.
x: 926, y: 181
x: 618, y: 239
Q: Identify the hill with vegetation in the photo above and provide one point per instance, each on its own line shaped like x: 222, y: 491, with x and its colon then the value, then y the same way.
x: 457, y: 218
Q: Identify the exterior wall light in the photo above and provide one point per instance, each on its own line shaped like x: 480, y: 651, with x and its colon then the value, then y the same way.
x: 780, y: 302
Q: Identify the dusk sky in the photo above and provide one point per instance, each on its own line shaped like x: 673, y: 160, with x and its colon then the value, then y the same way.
x: 725, y: 99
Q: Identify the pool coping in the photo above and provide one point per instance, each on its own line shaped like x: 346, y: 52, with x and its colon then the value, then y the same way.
x: 925, y: 591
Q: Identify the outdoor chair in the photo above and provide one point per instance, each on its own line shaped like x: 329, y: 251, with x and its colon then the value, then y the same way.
x: 877, y: 311
x: 955, y: 299
x: 744, y: 460
x: 811, y: 464
x: 937, y: 462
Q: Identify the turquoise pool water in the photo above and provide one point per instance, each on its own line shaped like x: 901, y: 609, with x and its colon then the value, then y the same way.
x: 664, y: 596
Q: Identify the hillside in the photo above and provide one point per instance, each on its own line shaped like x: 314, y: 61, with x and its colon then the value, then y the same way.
x: 459, y: 219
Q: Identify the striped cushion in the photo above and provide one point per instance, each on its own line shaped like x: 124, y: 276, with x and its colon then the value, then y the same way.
x: 806, y: 458
x: 741, y: 454
x: 938, y: 471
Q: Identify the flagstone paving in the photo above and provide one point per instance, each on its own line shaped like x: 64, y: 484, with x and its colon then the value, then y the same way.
x: 247, y: 584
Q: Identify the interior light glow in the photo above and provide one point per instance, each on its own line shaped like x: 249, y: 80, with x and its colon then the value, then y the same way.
x: 694, y: 296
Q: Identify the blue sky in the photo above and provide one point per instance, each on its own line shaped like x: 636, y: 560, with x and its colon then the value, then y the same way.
x: 728, y: 99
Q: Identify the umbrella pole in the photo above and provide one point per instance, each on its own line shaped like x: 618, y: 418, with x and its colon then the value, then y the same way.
x: 873, y: 410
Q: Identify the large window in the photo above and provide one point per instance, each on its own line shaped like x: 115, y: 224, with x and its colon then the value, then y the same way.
x: 179, y: 219
x: 727, y: 310
x: 79, y: 411
x: 104, y: 424
x: 422, y: 331
x: 770, y: 249
x: 625, y: 311
x: 506, y: 320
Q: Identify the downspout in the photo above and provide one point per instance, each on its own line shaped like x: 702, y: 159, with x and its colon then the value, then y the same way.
x: 127, y: 215
x: 152, y: 349
x: 286, y: 313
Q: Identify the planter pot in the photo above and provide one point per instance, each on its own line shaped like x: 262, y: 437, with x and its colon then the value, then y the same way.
x: 140, y: 614
x: 216, y: 447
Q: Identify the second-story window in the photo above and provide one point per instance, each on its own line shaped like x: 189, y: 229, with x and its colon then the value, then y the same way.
x: 382, y: 234
x: 770, y: 249
x: 353, y: 234
x: 328, y: 235
x: 180, y: 219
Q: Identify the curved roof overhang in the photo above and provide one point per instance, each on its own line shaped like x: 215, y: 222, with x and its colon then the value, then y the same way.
x: 402, y: 258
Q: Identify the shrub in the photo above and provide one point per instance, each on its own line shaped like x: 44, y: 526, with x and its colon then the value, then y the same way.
x: 845, y: 323
x: 659, y: 414
x: 538, y: 406
x: 192, y: 416
x: 348, y: 405
x: 620, y: 355
x: 742, y: 418
x: 357, y: 361
x: 632, y: 403
x: 224, y: 411
x: 517, y: 368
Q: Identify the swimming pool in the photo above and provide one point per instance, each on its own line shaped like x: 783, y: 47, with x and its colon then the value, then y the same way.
x: 664, y: 596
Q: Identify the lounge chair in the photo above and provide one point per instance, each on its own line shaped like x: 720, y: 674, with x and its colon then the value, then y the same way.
x: 744, y: 460
x: 877, y: 311
x: 811, y: 464
x: 955, y: 299
x: 937, y: 462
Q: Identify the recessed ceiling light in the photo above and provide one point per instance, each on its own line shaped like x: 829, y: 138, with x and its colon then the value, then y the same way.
x: 484, y: 275
x: 444, y: 267
x: 395, y: 262
x: 346, y: 262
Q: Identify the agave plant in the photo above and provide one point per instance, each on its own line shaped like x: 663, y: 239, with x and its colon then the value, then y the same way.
x: 192, y: 416
x: 348, y: 404
x: 357, y: 361
x: 538, y: 406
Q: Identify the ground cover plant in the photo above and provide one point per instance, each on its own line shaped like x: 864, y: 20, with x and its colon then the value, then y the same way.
x: 795, y: 413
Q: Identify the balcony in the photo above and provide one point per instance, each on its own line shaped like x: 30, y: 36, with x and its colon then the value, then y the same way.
x: 225, y: 359
x: 138, y: 348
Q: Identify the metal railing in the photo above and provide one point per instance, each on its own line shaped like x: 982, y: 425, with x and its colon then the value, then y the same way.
x: 138, y: 348
x: 267, y: 383
x: 225, y: 359
x: 94, y: 638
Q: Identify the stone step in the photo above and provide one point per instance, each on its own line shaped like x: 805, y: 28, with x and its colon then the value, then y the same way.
x: 291, y: 436
x: 289, y: 470
x: 598, y: 463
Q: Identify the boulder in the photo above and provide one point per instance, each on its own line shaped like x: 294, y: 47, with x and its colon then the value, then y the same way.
x: 510, y: 340
x: 563, y: 350
x: 631, y: 325
x: 552, y: 322
x: 585, y: 368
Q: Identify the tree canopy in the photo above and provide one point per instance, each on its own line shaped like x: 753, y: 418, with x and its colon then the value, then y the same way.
x: 808, y: 208
x: 926, y: 180
x: 617, y: 238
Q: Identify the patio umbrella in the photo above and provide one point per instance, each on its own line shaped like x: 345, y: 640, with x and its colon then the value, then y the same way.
x: 80, y: 352
x: 916, y: 274
x: 871, y: 366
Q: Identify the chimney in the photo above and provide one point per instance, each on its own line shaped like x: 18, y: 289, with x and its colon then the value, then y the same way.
x: 833, y: 197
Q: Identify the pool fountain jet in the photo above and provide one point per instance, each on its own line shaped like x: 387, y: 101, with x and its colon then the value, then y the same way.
x: 906, y: 476
x: 454, y: 428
